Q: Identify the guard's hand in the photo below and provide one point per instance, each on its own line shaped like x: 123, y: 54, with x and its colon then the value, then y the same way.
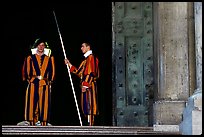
x: 83, y: 89
x: 66, y: 61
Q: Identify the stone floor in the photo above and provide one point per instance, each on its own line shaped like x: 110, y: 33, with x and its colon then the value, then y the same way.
x: 80, y: 130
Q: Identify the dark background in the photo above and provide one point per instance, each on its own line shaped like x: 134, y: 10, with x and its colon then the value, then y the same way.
x: 78, y: 22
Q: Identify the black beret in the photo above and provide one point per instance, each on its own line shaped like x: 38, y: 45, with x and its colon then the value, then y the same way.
x: 38, y: 41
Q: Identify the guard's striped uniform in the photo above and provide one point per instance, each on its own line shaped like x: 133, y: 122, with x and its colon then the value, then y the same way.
x: 38, y: 94
x: 88, y: 71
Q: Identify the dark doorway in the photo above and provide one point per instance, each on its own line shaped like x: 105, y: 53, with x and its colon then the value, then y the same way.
x: 78, y: 22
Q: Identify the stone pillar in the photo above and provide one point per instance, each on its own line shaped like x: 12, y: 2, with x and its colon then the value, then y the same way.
x: 192, y: 115
x: 171, y: 62
x: 198, y: 44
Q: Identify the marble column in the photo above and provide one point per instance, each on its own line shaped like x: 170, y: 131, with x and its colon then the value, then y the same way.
x: 171, y: 50
x: 192, y: 115
x: 198, y: 45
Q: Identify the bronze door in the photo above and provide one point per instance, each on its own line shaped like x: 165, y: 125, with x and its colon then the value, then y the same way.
x: 132, y: 63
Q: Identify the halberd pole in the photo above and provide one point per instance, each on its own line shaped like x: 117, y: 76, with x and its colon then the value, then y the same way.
x: 65, y: 57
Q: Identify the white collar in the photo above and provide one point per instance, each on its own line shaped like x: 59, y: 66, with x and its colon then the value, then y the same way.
x: 46, y: 51
x: 88, y: 53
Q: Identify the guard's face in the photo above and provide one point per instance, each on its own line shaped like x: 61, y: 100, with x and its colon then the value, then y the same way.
x: 41, y: 47
x: 84, y: 48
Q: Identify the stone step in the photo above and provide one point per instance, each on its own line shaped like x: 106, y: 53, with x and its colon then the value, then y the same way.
x: 81, y: 130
